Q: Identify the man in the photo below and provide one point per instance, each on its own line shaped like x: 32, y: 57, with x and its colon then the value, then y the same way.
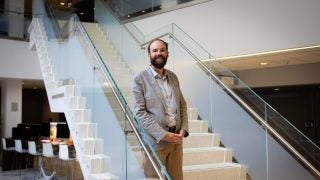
x: 160, y: 108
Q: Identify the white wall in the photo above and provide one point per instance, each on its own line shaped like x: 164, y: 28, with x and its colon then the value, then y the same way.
x: 17, y: 61
x: 231, y: 27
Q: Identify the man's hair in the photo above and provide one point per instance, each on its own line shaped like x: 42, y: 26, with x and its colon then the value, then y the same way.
x: 165, y: 43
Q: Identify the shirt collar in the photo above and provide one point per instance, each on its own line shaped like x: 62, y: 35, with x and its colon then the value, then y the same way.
x: 156, y: 75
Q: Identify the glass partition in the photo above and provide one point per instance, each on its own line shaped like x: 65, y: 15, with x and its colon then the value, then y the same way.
x: 14, y: 24
x: 75, y: 59
x: 246, y: 123
x: 132, y: 10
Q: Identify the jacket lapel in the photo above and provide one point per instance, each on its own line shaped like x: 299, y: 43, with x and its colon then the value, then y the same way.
x: 174, y: 87
x: 155, y: 86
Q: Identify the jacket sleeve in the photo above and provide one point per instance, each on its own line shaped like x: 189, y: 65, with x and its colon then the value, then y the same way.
x: 183, y: 112
x: 146, y: 119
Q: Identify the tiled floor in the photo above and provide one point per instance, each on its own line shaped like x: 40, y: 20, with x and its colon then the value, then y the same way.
x: 25, y: 174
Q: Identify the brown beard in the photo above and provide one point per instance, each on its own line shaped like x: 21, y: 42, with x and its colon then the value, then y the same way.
x: 157, y: 63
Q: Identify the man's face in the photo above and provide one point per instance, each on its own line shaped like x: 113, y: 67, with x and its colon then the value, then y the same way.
x: 158, y: 54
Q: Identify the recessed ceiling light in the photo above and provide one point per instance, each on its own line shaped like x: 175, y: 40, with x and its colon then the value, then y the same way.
x: 263, y: 63
x: 81, y: 13
x: 276, y: 89
x: 62, y: 3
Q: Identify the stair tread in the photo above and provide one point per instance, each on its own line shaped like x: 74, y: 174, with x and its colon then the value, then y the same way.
x: 202, y: 149
x: 90, y: 138
x: 95, y: 156
x: 202, y: 134
x: 104, y: 176
x: 210, y: 166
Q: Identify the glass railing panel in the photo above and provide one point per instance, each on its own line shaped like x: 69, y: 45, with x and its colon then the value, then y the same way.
x: 237, y: 86
x: 135, y: 32
x: 294, y: 137
x: 232, y: 109
x: 115, y: 34
x: 238, y: 129
x: 131, y: 52
x: 14, y: 24
x: 240, y: 132
x: 133, y: 10
x: 71, y: 60
x: 75, y: 58
x: 129, y: 9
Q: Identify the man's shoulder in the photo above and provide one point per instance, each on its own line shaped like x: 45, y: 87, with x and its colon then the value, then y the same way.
x: 170, y: 73
x: 141, y: 74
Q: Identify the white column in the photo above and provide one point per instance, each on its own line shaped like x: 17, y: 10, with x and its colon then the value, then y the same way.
x: 11, y: 105
x: 15, y: 17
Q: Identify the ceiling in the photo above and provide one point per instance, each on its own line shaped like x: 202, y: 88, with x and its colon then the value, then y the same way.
x: 296, y: 56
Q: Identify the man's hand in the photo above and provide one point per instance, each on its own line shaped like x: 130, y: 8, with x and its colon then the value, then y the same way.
x: 174, y: 138
x: 182, y: 133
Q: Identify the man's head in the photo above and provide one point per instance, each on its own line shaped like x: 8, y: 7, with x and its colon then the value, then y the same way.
x: 158, y: 53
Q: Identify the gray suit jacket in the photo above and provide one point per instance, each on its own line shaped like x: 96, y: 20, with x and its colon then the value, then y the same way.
x: 149, y: 106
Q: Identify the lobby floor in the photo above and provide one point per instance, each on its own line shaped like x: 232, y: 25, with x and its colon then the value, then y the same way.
x: 26, y: 174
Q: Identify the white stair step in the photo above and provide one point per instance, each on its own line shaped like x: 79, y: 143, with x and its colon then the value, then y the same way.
x: 75, y: 102
x: 96, y: 163
x: 89, y: 24
x: 53, y: 84
x: 192, y: 113
x: 206, y: 155
x: 119, y: 70
x: 220, y: 171
x: 102, y: 176
x: 132, y: 140
x: 84, y: 130
x: 104, y: 47
x: 49, y: 76
x: 48, y: 69
x: 198, y: 126
x: 114, y: 64
x: 72, y: 90
x: 91, y: 146
x: 124, y: 124
x: 80, y: 115
x: 196, y: 140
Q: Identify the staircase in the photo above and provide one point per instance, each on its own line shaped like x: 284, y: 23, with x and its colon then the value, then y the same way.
x: 203, y: 156
x: 65, y: 96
